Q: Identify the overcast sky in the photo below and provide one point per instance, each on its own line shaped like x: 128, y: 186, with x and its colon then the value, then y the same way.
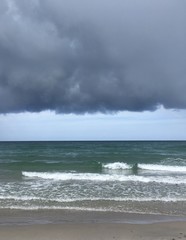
x: 92, y: 70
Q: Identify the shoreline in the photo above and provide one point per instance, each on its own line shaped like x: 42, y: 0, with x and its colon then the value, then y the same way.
x: 87, y: 225
x: 60, y: 216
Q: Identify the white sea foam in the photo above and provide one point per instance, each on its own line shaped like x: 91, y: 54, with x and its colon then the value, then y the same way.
x: 21, y: 198
x: 95, y: 208
x: 105, y: 177
x: 92, y: 199
x: 156, y: 167
x: 150, y: 167
x: 117, y: 166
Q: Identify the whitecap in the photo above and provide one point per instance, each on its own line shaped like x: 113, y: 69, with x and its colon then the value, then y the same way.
x: 167, y: 168
x: 117, y: 166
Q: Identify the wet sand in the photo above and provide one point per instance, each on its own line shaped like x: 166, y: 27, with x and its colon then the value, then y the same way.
x: 77, y: 225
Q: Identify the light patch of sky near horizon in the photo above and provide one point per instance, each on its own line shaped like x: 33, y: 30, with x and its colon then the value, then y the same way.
x: 158, y: 125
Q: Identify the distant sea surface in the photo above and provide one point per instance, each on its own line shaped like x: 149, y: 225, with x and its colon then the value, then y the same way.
x: 140, y: 177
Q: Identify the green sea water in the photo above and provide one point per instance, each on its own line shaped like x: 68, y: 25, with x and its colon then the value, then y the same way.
x: 103, y: 176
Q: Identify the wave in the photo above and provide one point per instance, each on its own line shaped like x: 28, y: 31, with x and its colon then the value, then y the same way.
x: 21, y: 198
x: 167, y: 168
x: 150, y: 167
x: 117, y: 166
x: 104, y: 177
x: 93, y: 199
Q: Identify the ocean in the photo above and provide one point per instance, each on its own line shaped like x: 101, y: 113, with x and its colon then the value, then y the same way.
x: 118, y: 176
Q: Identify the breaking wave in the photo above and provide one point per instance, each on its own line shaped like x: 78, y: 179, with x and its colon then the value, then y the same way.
x: 117, y: 166
x: 104, y: 177
x: 149, y: 167
x: 155, y: 167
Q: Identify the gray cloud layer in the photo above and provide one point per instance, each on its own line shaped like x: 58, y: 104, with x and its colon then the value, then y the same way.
x: 86, y: 56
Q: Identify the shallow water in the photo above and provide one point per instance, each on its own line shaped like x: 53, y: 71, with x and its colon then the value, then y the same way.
x: 144, y: 177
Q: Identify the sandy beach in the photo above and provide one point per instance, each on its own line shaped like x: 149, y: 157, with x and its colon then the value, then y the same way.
x: 78, y: 225
x: 94, y: 231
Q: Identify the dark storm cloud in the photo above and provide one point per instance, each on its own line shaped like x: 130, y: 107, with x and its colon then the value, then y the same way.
x: 87, y: 56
